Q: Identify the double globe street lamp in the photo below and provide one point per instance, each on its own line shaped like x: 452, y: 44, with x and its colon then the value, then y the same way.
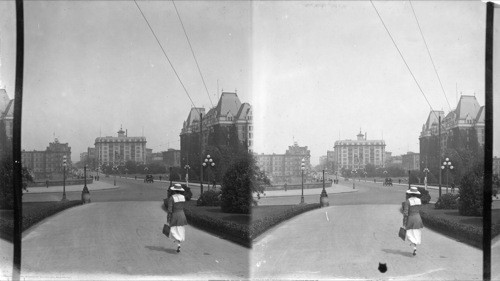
x: 447, y: 165
x: 426, y: 171
x: 302, y: 168
x: 187, y: 167
x: 209, y: 162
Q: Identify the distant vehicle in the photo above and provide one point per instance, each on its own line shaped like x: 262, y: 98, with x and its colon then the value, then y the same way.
x: 149, y: 179
x: 388, y: 182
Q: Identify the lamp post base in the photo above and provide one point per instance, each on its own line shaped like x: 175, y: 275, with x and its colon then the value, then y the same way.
x: 64, y: 198
x: 302, y: 200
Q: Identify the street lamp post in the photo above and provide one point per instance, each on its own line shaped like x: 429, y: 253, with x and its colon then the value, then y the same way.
x: 209, y: 162
x: 365, y: 173
x: 447, y: 165
x: 302, y: 168
x: 85, y: 191
x: 114, y: 174
x: 353, y: 179
x: 170, y: 175
x: 187, y: 174
x: 324, y: 196
x: 426, y: 170
x: 64, y: 178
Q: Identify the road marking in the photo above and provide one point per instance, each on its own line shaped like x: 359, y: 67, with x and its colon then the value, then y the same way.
x: 326, y: 213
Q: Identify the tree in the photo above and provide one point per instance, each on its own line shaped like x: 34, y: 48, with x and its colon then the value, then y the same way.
x: 7, y: 182
x: 242, y: 179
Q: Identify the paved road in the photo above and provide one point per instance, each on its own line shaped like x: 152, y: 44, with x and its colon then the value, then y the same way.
x: 129, y: 190
x: 117, y: 240
x: 367, y: 193
x: 348, y: 242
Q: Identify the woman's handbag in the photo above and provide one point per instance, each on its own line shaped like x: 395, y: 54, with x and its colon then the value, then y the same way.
x: 166, y: 230
x: 402, y: 233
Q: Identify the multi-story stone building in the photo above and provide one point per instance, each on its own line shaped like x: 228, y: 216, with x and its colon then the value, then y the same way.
x: 48, y: 163
x: 227, y: 124
x: 281, y: 168
x: 410, y: 161
x: 496, y: 166
x: 355, y: 154
x: 118, y: 150
x: 6, y: 122
x: 84, y: 157
x: 461, y: 129
x: 172, y: 157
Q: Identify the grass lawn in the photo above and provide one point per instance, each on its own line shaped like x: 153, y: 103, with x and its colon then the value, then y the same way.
x: 463, y: 228
x: 241, y: 228
x: 33, y: 212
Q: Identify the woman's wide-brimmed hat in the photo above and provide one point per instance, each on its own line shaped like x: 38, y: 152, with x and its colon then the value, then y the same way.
x: 413, y: 190
x: 177, y: 187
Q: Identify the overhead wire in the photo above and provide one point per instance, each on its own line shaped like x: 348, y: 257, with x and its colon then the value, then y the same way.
x: 166, y: 56
x: 402, y: 57
x: 429, y: 53
x: 192, y: 52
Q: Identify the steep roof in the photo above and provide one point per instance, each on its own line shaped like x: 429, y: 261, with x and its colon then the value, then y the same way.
x: 480, y: 115
x: 467, y: 105
x: 4, y: 101
x: 433, y: 118
x: 9, y: 111
x: 194, y: 114
x: 228, y: 103
x: 244, y: 111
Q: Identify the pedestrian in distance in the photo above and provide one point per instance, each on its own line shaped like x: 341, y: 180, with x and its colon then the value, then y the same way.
x: 285, y: 186
x: 175, y: 215
x: 412, y: 221
x: 47, y: 183
x: 452, y: 188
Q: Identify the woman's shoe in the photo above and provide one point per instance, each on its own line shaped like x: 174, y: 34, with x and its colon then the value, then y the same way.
x: 179, y: 249
x: 415, y: 252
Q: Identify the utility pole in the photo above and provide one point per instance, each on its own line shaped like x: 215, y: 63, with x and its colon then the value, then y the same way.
x: 201, y: 153
x: 439, y: 154
x: 488, y: 144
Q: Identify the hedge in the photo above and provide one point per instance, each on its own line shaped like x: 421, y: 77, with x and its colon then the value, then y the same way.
x: 470, y: 234
x: 35, y: 216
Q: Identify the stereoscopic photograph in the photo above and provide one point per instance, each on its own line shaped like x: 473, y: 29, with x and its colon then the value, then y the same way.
x: 249, y: 140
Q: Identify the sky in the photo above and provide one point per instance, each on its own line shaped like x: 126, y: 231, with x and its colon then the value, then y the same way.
x: 314, y: 72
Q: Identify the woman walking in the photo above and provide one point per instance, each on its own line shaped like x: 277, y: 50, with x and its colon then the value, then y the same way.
x: 412, y: 221
x: 175, y: 215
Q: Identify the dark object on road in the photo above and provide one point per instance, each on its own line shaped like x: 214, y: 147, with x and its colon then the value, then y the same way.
x: 382, y: 267
x: 402, y: 233
x: 166, y: 230
x: 149, y: 179
x: 387, y: 182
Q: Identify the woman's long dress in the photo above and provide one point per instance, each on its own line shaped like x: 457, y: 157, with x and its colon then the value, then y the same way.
x: 178, y: 218
x: 412, y: 220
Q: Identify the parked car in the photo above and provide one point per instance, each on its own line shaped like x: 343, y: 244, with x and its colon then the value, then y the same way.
x: 149, y: 179
x: 388, y: 182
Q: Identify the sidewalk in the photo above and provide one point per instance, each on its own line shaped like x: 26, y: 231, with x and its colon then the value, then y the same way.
x: 96, y: 185
x: 348, y: 242
x: 121, y: 240
x: 336, y: 188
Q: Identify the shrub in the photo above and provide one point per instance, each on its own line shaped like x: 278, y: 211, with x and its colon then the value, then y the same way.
x: 209, y: 198
x: 425, y: 197
x: 237, y: 185
x: 447, y: 201
x: 471, y: 193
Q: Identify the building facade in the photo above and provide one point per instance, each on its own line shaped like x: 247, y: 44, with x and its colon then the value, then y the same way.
x: 355, y: 154
x: 496, y: 166
x: 227, y: 124
x: 172, y: 157
x: 285, y: 168
x: 48, y: 163
x: 6, y: 123
x: 118, y: 150
x: 461, y: 129
x: 410, y: 161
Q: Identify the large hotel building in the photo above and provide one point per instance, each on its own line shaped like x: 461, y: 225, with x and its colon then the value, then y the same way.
x: 120, y: 149
x: 355, y: 154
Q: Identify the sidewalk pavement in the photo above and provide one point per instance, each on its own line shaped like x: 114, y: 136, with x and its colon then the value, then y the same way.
x: 96, y: 185
x: 121, y: 240
x: 309, y: 191
x: 349, y: 242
